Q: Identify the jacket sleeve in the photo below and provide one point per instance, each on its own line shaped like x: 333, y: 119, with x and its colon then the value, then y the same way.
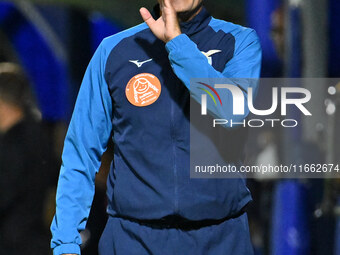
x: 86, y: 140
x: 242, y: 70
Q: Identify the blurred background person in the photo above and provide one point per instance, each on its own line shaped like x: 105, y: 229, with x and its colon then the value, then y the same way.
x: 24, y: 168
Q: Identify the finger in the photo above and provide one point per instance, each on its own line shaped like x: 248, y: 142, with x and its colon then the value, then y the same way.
x: 168, y: 9
x: 147, y: 17
x: 161, y: 4
x: 156, y: 26
x: 167, y: 3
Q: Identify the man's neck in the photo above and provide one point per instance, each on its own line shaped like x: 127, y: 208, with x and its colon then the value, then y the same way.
x: 10, y: 116
x: 189, y: 15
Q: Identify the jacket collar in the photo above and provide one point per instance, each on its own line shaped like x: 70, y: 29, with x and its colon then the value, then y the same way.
x: 198, y: 23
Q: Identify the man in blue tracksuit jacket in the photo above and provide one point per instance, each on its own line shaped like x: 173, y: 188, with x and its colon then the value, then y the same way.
x: 136, y: 89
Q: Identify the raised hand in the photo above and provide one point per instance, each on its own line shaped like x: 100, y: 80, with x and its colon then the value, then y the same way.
x: 167, y: 26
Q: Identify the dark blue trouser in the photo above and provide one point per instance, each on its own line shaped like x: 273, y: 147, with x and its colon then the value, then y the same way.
x: 124, y: 237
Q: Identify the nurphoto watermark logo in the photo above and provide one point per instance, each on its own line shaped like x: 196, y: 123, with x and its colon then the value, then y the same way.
x: 241, y: 97
x: 264, y: 128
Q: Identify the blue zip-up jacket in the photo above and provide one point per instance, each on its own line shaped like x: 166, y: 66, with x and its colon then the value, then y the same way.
x: 149, y: 177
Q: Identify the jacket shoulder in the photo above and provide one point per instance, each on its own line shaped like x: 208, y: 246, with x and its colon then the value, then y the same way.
x: 238, y: 31
x: 243, y: 36
x: 110, y: 42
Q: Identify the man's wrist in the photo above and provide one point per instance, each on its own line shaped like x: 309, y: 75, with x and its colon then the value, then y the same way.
x: 172, y: 37
x: 177, y: 42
